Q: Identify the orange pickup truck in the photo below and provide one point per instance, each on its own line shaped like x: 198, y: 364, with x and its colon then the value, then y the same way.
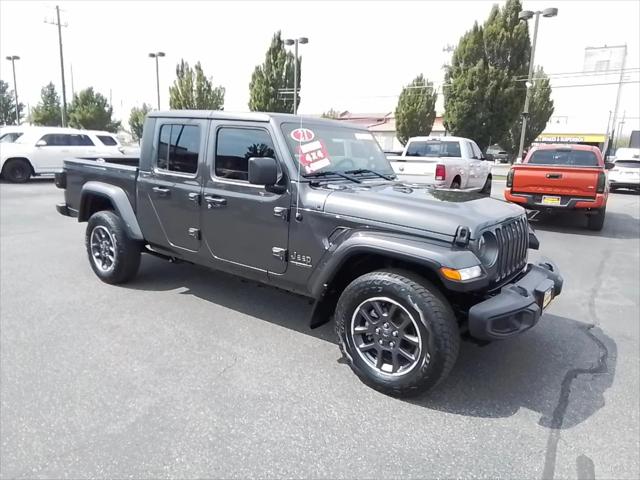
x: 562, y: 178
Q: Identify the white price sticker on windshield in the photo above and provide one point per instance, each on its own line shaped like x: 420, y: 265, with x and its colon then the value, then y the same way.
x: 363, y: 136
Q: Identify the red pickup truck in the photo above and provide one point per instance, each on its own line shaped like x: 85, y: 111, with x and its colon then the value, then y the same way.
x: 562, y: 178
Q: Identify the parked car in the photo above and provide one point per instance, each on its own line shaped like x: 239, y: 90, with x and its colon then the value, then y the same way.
x: 626, y: 153
x: 402, y: 270
x: 444, y: 162
x: 31, y: 151
x: 625, y: 174
x: 562, y: 178
x: 495, y: 152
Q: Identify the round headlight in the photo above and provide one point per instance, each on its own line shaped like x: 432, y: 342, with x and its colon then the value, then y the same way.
x: 488, y: 249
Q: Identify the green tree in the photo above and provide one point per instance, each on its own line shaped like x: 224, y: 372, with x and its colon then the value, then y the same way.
x: 8, y: 105
x: 193, y: 90
x: 540, y: 110
x: 48, y: 111
x: 136, y: 120
x: 415, y: 111
x: 92, y: 111
x: 271, y: 86
x: 331, y: 113
x: 483, y: 97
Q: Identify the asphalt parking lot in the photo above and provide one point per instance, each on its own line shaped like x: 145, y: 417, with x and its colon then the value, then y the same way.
x: 187, y: 373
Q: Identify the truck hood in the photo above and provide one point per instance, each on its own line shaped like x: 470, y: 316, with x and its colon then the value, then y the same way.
x: 423, y: 208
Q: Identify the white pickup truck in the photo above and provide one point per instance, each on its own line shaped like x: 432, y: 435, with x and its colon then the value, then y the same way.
x: 445, y: 162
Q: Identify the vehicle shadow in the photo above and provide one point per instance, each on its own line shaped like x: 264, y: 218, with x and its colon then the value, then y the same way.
x: 537, y: 370
x: 616, y: 225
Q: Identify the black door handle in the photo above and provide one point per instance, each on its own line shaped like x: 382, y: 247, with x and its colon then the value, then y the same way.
x: 554, y: 175
x: 194, y: 197
x: 161, y: 191
x: 215, y: 202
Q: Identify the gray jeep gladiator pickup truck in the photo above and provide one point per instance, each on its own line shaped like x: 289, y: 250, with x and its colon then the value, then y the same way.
x: 312, y: 206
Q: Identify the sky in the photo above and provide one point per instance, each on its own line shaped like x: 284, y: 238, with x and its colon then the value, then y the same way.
x: 359, y: 55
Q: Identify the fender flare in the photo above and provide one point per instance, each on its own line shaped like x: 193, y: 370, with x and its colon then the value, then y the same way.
x: 397, y: 246
x: 120, y: 203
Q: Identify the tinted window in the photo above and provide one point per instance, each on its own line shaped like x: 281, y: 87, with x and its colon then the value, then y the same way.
x: 67, y: 140
x: 178, y: 148
x: 235, y: 146
x: 433, y: 148
x: 10, y: 137
x: 107, y: 140
x: 628, y: 163
x: 576, y: 158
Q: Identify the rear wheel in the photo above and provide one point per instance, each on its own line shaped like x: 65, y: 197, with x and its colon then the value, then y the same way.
x: 455, y: 185
x: 595, y: 221
x: 17, y: 170
x: 113, y: 255
x: 397, y: 332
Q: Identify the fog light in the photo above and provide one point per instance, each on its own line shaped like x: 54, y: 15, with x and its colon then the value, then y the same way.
x: 462, y: 274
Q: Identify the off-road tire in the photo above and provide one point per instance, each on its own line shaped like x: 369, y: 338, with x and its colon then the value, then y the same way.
x: 486, y: 189
x: 440, y: 338
x: 126, y: 250
x: 595, y: 221
x: 17, y: 170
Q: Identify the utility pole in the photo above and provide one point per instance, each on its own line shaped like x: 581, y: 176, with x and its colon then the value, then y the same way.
x: 12, y: 59
x: 73, y: 90
x: 615, y: 110
x: 295, y: 42
x: 157, y: 55
x: 64, y: 90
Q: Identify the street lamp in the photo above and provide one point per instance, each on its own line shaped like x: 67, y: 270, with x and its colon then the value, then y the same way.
x: 289, y: 42
x: 12, y: 59
x: 526, y: 15
x: 156, y: 56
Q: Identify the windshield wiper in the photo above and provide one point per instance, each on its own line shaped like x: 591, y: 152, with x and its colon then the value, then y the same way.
x: 373, y: 172
x: 331, y: 172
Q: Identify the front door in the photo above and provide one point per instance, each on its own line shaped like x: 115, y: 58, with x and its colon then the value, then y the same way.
x: 170, y: 191
x: 243, y: 223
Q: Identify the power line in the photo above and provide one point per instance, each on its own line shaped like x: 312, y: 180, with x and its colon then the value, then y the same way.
x: 587, y: 73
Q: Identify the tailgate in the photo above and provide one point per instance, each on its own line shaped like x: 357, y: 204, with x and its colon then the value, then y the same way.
x: 420, y: 169
x: 555, y: 180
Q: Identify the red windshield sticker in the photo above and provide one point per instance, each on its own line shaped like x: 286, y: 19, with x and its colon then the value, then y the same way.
x: 313, y: 156
x: 303, y: 135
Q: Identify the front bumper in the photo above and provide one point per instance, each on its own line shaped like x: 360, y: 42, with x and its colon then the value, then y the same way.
x: 518, y: 306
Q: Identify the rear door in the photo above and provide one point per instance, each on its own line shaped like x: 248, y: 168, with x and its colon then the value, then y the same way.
x: 170, y: 190
x: 244, y: 224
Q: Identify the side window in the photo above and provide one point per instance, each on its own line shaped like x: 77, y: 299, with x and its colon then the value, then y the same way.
x: 477, y: 153
x: 472, y: 152
x: 81, y: 140
x: 234, y: 148
x: 178, y: 148
x: 107, y: 140
x: 53, y: 140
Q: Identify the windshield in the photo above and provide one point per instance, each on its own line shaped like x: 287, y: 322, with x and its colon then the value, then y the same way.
x: 10, y: 137
x: 628, y: 163
x: 433, y: 148
x: 327, y: 148
x: 570, y: 158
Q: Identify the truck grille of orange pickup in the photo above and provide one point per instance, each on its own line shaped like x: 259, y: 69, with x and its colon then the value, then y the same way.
x: 513, y: 242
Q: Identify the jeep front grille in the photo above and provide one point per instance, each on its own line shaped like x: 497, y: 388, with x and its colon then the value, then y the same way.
x: 513, y: 242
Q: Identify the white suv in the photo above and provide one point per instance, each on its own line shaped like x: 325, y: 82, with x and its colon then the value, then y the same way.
x: 29, y: 151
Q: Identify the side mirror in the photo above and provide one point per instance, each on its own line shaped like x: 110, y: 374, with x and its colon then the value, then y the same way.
x: 41, y: 143
x: 609, y: 165
x: 263, y: 171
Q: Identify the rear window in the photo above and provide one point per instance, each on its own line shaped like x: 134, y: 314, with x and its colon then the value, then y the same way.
x: 571, y: 158
x: 10, y: 137
x: 107, y: 140
x: 178, y: 149
x: 628, y: 163
x: 433, y: 148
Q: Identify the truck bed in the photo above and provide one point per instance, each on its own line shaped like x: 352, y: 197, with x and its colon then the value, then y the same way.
x: 118, y: 171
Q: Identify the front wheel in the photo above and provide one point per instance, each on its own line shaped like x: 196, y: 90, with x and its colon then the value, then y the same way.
x: 113, y: 255
x: 486, y: 189
x: 397, y: 332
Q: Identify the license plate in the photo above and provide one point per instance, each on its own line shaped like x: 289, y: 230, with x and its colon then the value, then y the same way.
x: 548, y: 296
x: 548, y: 200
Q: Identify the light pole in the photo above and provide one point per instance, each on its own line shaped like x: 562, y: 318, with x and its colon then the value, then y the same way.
x: 156, y: 56
x: 527, y: 15
x: 295, y: 42
x: 12, y: 59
